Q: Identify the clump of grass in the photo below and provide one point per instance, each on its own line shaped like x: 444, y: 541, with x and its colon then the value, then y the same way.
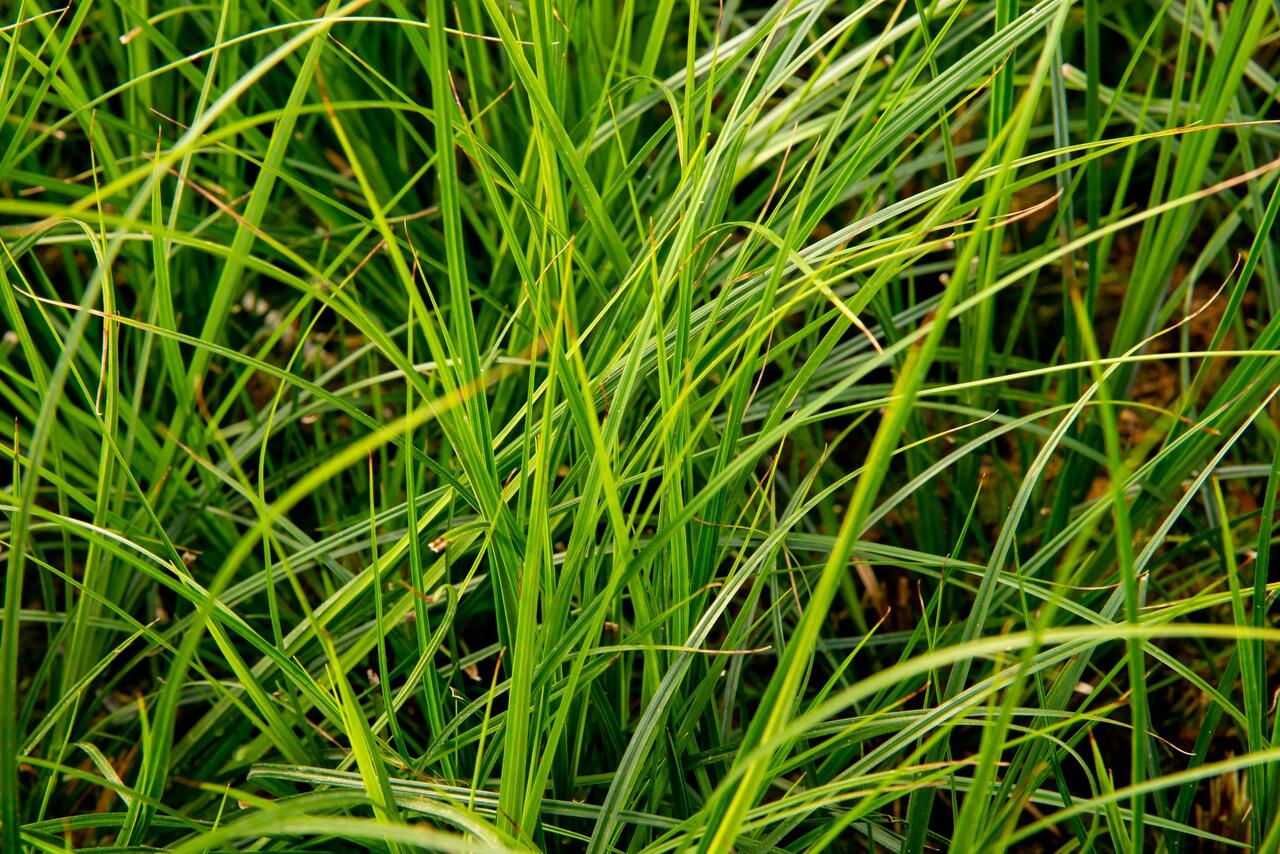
x: 640, y: 427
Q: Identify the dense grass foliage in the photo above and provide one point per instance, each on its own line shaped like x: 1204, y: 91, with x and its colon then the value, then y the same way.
x: 601, y: 426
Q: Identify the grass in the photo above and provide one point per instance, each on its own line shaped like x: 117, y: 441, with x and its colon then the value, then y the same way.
x: 618, y: 427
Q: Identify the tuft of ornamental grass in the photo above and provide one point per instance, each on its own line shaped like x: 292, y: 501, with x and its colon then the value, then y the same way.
x: 583, y: 426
